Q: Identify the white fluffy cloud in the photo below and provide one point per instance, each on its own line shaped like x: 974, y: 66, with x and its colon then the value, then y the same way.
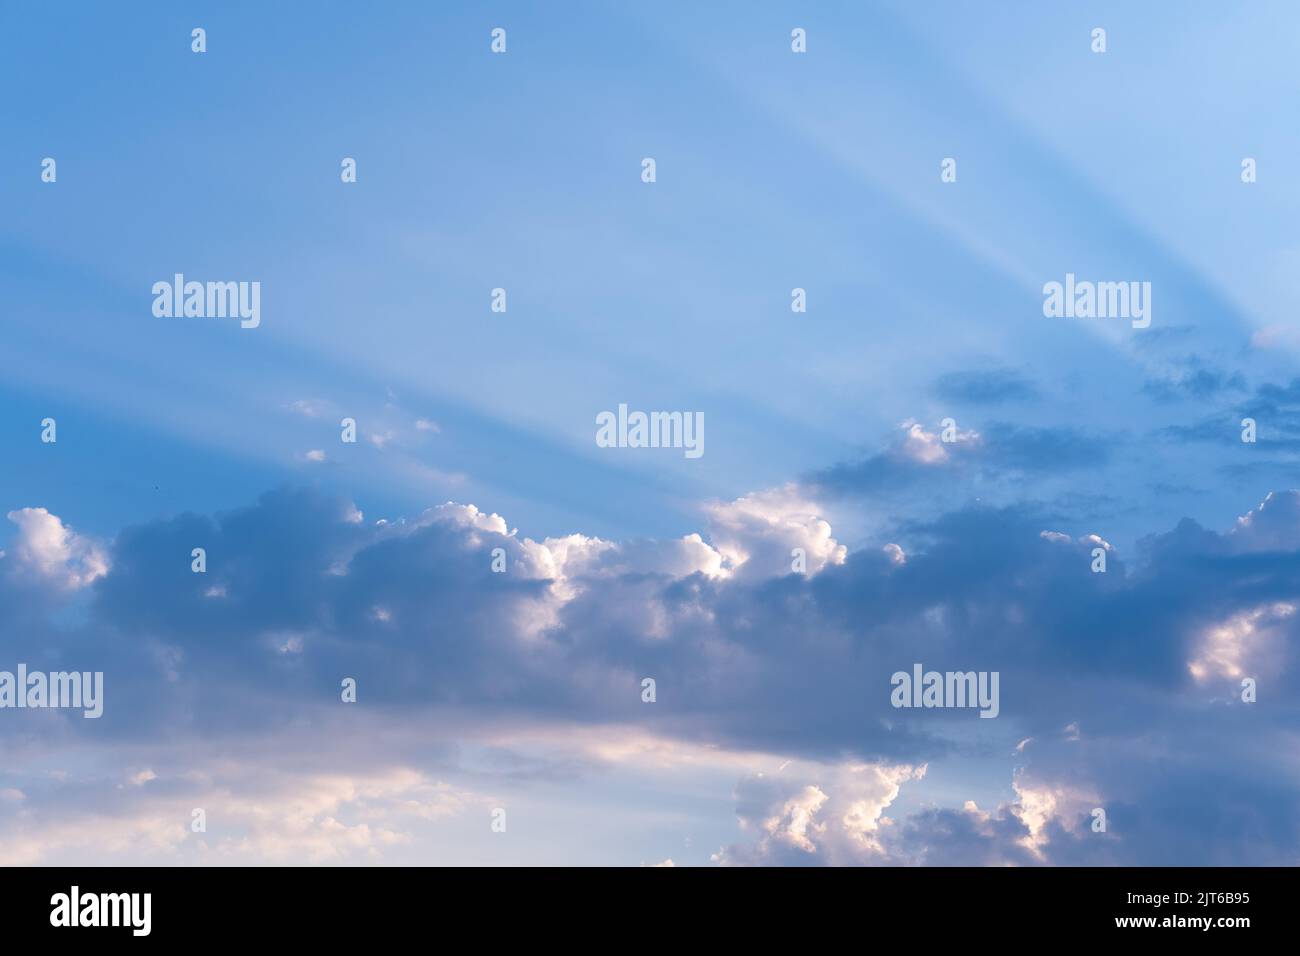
x: 838, y: 819
x: 48, y: 550
x: 929, y: 448
x: 756, y: 535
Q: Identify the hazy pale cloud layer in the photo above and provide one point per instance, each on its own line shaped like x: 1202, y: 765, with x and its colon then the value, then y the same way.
x: 925, y: 467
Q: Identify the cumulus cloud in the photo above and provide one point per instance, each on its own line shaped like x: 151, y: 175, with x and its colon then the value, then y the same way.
x: 841, y: 821
x: 838, y: 820
x: 930, y: 448
x: 756, y: 535
x: 47, y: 550
x: 747, y: 656
x: 1247, y: 642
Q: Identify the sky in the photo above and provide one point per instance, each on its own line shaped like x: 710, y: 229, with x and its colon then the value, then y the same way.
x: 921, y: 466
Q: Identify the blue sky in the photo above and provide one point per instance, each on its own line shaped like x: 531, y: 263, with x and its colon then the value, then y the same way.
x: 772, y: 739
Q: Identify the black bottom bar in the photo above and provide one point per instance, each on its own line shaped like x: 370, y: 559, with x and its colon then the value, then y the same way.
x: 333, y: 906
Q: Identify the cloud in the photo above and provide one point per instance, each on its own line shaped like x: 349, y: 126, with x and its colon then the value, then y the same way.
x: 1273, y: 526
x: 842, y: 821
x: 837, y: 821
x: 309, y: 408
x: 756, y: 534
x: 1275, y: 409
x: 997, y: 452
x: 1194, y: 380
x: 747, y: 658
x: 1247, y: 642
x: 252, y: 813
x: 985, y: 387
x: 49, y: 551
